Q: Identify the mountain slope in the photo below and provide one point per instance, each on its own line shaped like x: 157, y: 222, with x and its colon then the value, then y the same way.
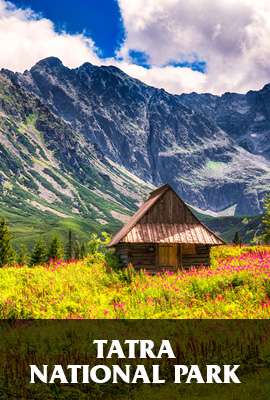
x: 246, y: 118
x: 186, y: 141
x: 82, y: 147
x: 49, y: 173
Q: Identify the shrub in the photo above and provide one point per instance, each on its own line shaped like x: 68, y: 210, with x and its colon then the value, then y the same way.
x: 237, y: 281
x: 98, y: 250
x: 267, y: 287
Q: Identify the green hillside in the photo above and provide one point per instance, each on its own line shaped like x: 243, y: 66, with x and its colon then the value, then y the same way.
x: 248, y: 227
x: 52, y: 179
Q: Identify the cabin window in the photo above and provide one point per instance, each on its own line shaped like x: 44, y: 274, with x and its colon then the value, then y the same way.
x: 188, y: 249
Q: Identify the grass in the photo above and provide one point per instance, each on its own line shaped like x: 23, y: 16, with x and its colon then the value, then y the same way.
x: 28, y: 222
x: 236, y: 286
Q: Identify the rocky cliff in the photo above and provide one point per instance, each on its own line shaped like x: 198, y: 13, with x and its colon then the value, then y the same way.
x: 85, y: 140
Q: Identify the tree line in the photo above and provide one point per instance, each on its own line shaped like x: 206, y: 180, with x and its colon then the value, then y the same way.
x: 55, y: 249
x: 263, y: 238
x: 41, y: 252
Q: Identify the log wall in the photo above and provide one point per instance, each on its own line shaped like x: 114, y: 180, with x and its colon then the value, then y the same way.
x: 200, y: 256
x: 139, y: 255
x: 146, y: 256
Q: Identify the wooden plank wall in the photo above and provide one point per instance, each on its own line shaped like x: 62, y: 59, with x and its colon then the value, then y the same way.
x: 169, y: 209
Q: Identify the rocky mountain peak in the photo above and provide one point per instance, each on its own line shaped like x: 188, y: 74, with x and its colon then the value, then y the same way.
x: 214, y: 150
x: 49, y: 64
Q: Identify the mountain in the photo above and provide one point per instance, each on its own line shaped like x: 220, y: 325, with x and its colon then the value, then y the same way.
x: 201, y: 144
x: 245, y: 117
x: 51, y: 176
x: 87, y: 141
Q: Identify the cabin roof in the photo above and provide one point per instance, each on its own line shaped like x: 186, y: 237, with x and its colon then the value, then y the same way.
x: 194, y: 232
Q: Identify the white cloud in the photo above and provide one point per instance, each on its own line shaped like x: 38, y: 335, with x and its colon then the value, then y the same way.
x: 231, y: 36
x: 173, y: 80
x: 26, y: 38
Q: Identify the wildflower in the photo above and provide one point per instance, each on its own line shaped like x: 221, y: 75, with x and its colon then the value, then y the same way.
x: 220, y: 297
x: 265, y: 304
x: 119, y: 306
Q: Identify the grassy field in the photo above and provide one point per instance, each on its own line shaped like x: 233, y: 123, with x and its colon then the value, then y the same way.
x: 28, y: 224
x: 237, y: 285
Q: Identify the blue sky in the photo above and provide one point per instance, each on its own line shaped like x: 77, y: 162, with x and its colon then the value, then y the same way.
x: 98, y: 19
x: 179, y: 45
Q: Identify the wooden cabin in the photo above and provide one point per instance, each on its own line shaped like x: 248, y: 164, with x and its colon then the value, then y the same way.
x: 164, y: 234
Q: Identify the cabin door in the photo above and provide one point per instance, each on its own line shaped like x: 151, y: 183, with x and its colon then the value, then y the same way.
x: 168, y: 255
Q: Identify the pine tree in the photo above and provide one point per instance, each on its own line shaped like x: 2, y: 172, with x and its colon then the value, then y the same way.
x: 56, y: 249
x: 83, y: 250
x: 6, y: 251
x: 39, y: 253
x: 69, y: 247
x: 23, y: 256
x: 266, y: 220
x: 77, y: 250
x: 236, y: 239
